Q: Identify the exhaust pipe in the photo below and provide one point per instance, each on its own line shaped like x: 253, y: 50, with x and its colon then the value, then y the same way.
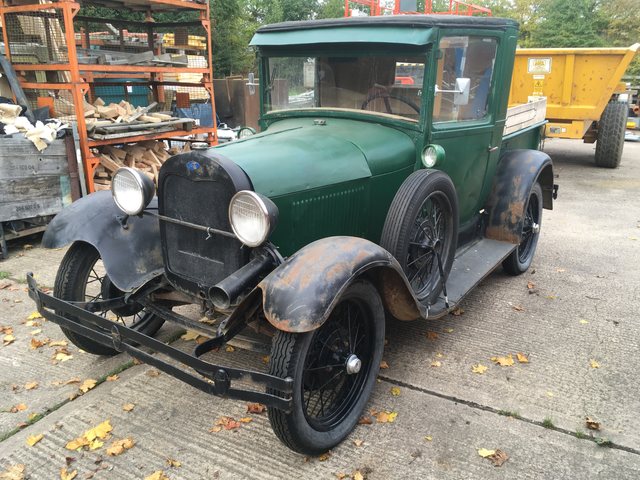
x: 226, y: 292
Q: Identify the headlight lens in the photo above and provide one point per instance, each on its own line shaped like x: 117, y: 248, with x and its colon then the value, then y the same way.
x: 252, y: 216
x: 431, y: 155
x: 131, y: 190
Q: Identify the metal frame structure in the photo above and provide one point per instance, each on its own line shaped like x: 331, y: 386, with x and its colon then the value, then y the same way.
x: 376, y: 8
x: 82, y: 76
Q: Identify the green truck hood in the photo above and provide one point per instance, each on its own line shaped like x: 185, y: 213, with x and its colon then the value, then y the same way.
x: 301, y: 154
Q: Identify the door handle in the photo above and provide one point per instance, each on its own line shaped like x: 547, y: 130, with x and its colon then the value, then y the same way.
x: 492, y: 149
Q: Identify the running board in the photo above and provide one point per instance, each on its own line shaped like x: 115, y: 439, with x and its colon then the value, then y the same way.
x: 472, y: 265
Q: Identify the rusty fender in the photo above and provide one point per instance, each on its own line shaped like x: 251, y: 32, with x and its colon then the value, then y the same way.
x: 517, y: 172
x: 300, y: 294
x: 132, y: 256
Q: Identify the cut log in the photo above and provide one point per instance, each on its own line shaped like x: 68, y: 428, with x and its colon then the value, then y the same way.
x: 108, y: 163
x: 142, y: 111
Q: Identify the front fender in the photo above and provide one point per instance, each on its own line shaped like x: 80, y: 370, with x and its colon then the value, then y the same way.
x: 300, y: 294
x: 517, y: 172
x: 131, y: 256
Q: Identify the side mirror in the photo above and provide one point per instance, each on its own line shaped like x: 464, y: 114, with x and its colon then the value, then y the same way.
x: 252, y: 83
x: 461, y: 91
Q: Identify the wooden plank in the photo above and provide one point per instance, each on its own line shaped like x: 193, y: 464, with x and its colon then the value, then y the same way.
x: 33, y: 196
x: 143, y: 111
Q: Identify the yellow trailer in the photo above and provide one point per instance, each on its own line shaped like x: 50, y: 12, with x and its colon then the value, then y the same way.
x: 582, y: 87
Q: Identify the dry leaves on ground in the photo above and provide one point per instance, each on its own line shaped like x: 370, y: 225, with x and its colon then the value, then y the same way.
x: 479, y: 368
x: 436, y: 363
x: 67, y: 475
x: 256, y: 408
x: 365, y: 420
x: 457, y: 311
x: 324, y: 457
x: 91, y: 438
x: 395, y: 391
x: 14, y: 472
x: 448, y: 330
x: 432, y: 335
x: 8, y: 339
x: 522, y: 358
x: 118, y: 447
x: 173, y: 463
x: 592, y: 424
x: 225, y: 423
x: 152, y: 373
x: 33, y: 439
x: 190, y: 335
x: 157, y: 475
x: 518, y: 308
x: 385, y: 416
x: 384, y: 365
x: 18, y: 408
x: 112, y: 378
x: 358, y: 442
x: 87, y: 385
x: 484, y: 452
x: 35, y: 343
x: 498, y: 458
x: 127, y: 407
x: 229, y: 349
x: 506, y: 361
x: 30, y: 385
x: 594, y: 364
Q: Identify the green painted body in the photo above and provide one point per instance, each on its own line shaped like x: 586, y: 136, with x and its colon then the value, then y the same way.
x: 336, y: 172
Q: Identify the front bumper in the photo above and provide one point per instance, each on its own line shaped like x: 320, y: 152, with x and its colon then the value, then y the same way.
x: 217, y: 379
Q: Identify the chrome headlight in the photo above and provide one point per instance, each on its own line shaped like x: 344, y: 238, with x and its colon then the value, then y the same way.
x: 131, y: 190
x: 252, y: 217
x: 432, y: 155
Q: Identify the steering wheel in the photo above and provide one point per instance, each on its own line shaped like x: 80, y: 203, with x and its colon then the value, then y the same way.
x: 386, y: 96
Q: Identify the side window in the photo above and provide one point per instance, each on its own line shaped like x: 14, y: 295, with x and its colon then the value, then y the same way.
x: 464, y: 57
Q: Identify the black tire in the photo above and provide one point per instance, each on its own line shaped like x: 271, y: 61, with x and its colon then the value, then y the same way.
x: 77, y: 267
x: 308, y: 429
x: 611, y: 129
x: 520, y: 259
x: 410, y: 242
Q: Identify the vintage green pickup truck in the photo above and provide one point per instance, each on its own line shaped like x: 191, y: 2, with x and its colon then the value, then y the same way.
x: 388, y: 180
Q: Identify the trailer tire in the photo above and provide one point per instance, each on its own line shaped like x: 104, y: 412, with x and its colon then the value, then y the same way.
x: 611, y: 129
x: 520, y: 259
x: 74, y: 274
x: 354, y: 332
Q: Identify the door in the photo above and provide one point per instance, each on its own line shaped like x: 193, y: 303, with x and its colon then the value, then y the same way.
x: 465, y: 128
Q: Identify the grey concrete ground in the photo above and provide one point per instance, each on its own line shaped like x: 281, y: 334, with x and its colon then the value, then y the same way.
x: 583, y: 313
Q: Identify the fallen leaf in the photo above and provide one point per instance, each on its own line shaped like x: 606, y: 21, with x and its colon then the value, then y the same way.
x: 439, y: 355
x: 324, y: 457
x: 34, y: 315
x: 457, y: 311
x: 153, y: 373
x: 190, y: 335
x: 522, y: 358
x: 484, y: 453
x: 127, y: 407
x: 594, y: 364
x: 395, y: 391
x: 358, y: 443
x: 432, y: 335
x: 118, y: 447
x: 37, y: 343
x: 583, y: 321
x: 58, y: 343
x: 428, y: 438
x: 256, y: 408
x: 365, y: 420
x: 518, y: 308
x: 215, y: 429
x: 157, y: 475
x: 448, y: 330
x: 560, y: 270
x: 265, y: 359
x: 498, y: 458
x: 37, y: 331
x: 18, y: 408
x: 357, y: 475
x: 33, y: 416
x: 592, y: 424
x: 506, y: 361
x: 384, y: 365
x: 549, y: 394
x: 30, y: 385
x: 112, y: 378
x: 229, y: 349
x: 33, y: 439
x: 31, y: 323
x: 226, y: 423
x: 72, y: 380
x: 245, y: 420
x: 87, y: 385
x: 6, y: 329
x: 91, y: 438
x: 62, y: 357
x: 67, y: 475
x: 173, y: 463
x: 436, y: 363
x: 5, y: 283
x: 14, y: 472
x: 478, y: 368
x: 8, y: 339
x: 386, y: 417
x: 531, y: 285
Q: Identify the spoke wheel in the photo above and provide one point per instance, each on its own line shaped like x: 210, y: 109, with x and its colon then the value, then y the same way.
x: 520, y: 259
x: 82, y: 278
x: 421, y: 231
x: 334, y: 370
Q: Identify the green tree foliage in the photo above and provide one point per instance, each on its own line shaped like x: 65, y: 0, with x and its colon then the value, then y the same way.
x: 231, y: 35
x: 623, y: 27
x: 569, y: 23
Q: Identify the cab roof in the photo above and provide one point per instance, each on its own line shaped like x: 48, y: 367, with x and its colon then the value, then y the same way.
x: 389, y: 29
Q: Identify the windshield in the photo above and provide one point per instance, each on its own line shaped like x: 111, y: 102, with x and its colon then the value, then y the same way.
x: 385, y: 84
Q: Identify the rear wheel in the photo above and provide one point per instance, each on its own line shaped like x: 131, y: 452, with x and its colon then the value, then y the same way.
x: 82, y: 278
x: 611, y: 130
x: 334, y: 370
x: 520, y: 259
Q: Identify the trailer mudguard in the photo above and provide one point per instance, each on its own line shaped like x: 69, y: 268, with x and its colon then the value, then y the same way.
x: 299, y: 295
x: 131, y: 255
x: 517, y: 172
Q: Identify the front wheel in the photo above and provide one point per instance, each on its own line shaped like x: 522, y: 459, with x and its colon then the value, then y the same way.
x: 334, y: 370
x: 520, y: 259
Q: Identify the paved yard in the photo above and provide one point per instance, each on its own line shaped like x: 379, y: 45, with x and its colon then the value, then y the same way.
x: 575, y: 315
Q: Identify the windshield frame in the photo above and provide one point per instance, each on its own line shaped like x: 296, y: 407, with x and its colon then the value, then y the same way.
x: 333, y: 50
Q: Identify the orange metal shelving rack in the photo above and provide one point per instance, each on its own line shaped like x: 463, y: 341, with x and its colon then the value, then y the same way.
x: 64, y: 32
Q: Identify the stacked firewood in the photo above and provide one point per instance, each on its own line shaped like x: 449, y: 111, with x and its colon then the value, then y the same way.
x: 147, y: 156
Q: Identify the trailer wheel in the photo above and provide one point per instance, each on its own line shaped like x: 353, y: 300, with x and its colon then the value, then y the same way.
x: 611, y: 129
x: 520, y: 259
x: 421, y: 224
x: 334, y: 370
x: 81, y: 278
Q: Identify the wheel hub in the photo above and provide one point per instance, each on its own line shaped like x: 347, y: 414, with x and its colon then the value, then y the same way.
x: 353, y: 364
x: 535, y: 227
